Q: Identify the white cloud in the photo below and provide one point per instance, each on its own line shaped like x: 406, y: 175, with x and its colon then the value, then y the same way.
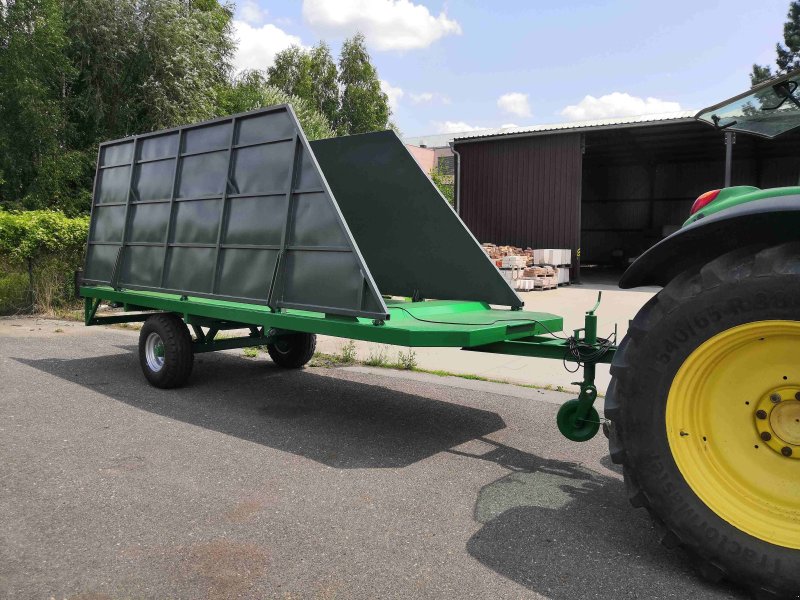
x: 508, y: 125
x: 421, y: 98
x: 428, y: 97
x: 617, y: 104
x: 515, y: 103
x: 387, y: 24
x: 251, y: 12
x: 259, y: 45
x: 394, y: 93
x: 454, y: 127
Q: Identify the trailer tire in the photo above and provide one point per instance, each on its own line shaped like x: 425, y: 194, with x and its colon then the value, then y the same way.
x: 746, y: 292
x: 165, y: 351
x: 294, y: 350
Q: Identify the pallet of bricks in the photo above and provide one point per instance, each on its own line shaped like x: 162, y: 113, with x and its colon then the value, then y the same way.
x: 558, y: 258
x: 519, y: 268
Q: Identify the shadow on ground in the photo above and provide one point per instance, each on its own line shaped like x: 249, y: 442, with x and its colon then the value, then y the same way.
x: 566, y: 532
x: 340, y: 423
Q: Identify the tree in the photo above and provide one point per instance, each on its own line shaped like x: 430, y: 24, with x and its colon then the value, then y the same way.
x: 760, y: 74
x: 365, y: 107
x: 291, y: 72
x: 788, y: 56
x: 146, y: 64
x: 251, y: 90
x: 310, y: 75
x: 33, y: 77
x: 75, y: 72
x: 324, y: 75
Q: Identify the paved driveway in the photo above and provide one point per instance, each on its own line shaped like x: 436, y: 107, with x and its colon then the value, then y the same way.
x: 254, y: 482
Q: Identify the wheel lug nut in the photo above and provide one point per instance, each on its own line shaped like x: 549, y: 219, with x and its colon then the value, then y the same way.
x: 776, y: 398
x: 786, y: 451
x: 766, y: 436
x: 761, y: 414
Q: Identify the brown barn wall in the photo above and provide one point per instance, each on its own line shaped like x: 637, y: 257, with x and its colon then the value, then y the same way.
x: 525, y: 192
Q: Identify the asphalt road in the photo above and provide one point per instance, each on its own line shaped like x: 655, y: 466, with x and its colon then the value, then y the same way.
x: 254, y: 482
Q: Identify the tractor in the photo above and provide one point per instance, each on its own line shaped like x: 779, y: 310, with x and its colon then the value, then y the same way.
x: 704, y: 402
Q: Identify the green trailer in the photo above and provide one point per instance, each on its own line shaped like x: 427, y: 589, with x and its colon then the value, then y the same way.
x: 243, y: 224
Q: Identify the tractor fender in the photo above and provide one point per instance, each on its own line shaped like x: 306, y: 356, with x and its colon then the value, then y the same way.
x: 770, y: 220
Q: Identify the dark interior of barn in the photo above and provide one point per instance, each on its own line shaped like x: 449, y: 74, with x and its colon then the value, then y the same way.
x: 639, y: 182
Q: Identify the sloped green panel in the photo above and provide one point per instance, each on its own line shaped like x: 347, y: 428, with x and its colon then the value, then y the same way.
x: 414, y: 243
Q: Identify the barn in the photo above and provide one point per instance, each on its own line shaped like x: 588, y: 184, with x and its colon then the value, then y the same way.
x: 605, y: 189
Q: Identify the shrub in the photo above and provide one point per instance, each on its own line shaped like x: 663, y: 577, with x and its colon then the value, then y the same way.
x: 347, y: 355
x: 407, y: 360
x: 39, y: 252
x: 377, y: 357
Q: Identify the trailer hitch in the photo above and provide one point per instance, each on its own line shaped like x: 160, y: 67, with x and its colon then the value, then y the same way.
x: 577, y: 419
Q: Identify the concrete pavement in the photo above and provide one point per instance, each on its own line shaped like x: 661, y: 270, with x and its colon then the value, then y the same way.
x: 253, y: 482
x: 572, y: 302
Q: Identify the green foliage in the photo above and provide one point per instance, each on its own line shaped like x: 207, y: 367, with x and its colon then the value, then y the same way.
x: 364, y: 105
x: 350, y: 97
x: 324, y: 78
x: 251, y: 90
x: 445, y: 184
x: 74, y: 73
x: 377, y: 357
x: 310, y: 75
x: 407, y: 360
x: 42, y: 249
x: 33, y: 73
x: 760, y: 74
x: 347, y: 355
x: 788, y: 53
x: 33, y: 234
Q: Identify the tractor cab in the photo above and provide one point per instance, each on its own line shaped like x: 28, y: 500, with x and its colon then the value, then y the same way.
x: 767, y: 110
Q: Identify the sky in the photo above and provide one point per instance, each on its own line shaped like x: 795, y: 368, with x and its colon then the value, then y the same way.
x: 459, y: 65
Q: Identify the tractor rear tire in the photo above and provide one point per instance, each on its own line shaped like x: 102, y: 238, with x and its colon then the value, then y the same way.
x: 293, y: 351
x: 702, y: 364
x: 165, y: 351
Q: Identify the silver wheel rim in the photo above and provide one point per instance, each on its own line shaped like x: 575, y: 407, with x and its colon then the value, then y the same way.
x: 154, y: 352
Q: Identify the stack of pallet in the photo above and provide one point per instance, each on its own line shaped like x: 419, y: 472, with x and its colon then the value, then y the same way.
x: 498, y: 252
x: 559, y: 258
x: 531, y: 269
x: 525, y: 279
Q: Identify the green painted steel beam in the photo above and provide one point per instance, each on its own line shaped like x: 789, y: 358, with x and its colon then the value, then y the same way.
x: 537, y: 347
x: 434, y: 323
x: 199, y: 347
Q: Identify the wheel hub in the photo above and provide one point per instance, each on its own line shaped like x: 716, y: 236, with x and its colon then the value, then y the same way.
x: 777, y: 420
x: 154, y: 352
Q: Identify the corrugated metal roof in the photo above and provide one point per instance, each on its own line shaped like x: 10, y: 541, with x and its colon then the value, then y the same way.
x: 440, y: 140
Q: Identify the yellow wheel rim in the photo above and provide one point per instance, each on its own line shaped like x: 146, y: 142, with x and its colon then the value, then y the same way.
x: 733, y: 426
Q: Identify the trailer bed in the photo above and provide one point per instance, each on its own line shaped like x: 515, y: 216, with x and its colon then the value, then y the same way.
x: 459, y: 324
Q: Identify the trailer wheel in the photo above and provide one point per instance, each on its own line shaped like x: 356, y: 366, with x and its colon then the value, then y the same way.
x: 293, y: 351
x: 165, y: 351
x: 705, y: 416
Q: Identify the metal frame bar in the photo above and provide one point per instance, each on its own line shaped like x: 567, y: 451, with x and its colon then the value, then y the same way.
x: 223, y: 211
x: 121, y: 251
x: 278, y: 276
x: 171, y: 219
